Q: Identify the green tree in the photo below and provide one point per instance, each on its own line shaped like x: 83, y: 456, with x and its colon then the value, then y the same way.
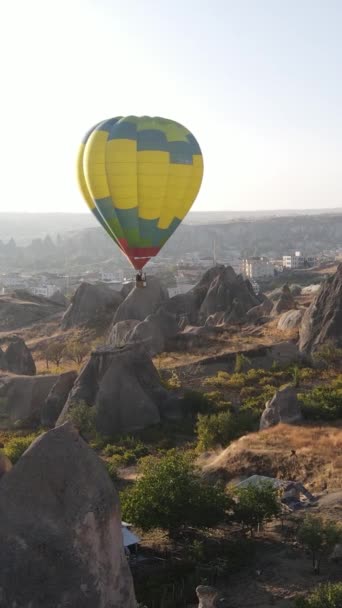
x: 169, y: 494
x: 319, y: 537
x: 76, y: 351
x: 83, y: 417
x: 325, y: 596
x: 55, y: 351
x: 256, y: 504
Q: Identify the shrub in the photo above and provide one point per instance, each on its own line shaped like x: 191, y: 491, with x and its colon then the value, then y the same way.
x: 195, y: 402
x: 307, y: 373
x: 328, y: 354
x: 257, y: 404
x: 337, y: 382
x: 83, y: 417
x: 16, y: 446
x: 237, y: 381
x: 319, y: 537
x: 112, y: 468
x: 170, y: 495
x: 217, y: 401
x: 222, y: 428
x: 247, y: 392
x: 173, y: 382
x: 255, y: 375
x: 255, y: 504
x: 325, y: 596
x: 322, y: 403
x: 127, y: 445
x: 241, y: 361
x: 270, y: 380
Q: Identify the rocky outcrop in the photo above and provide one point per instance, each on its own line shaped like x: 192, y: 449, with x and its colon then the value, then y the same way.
x: 59, y: 298
x: 290, y: 320
x: 60, y: 530
x: 17, y: 358
x: 127, y: 288
x: 184, y: 307
x: 322, y: 321
x: 22, y: 399
x: 215, y: 320
x: 191, y: 337
x: 155, y: 332
x: 120, y: 332
x: 286, y: 302
x: 209, y: 597
x: 219, y: 292
x: 91, y: 305
x: 5, y: 465
x: 283, y: 407
x: 257, y: 313
x: 282, y: 354
x: 229, y: 293
x: 140, y: 303
x: 125, y: 388
x: 56, y: 398
x: 3, y: 361
x: 21, y: 309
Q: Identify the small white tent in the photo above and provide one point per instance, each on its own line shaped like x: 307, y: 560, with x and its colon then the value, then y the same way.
x: 129, y: 538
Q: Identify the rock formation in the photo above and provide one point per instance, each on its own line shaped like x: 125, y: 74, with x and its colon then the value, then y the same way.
x: 155, y: 331
x: 17, y: 358
x: 125, y: 388
x: 127, y: 288
x: 20, y: 309
x: 322, y: 321
x: 22, y: 399
x: 120, y: 332
x: 140, y: 303
x: 92, y: 305
x: 5, y: 465
x: 59, y: 298
x: 259, y: 312
x: 290, y: 320
x: 209, y: 597
x: 60, y: 529
x: 227, y: 292
x: 3, y: 361
x: 56, y: 398
x: 286, y: 302
x: 283, y: 407
x: 220, y: 297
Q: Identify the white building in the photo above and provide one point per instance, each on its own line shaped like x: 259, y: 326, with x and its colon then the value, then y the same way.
x: 111, y: 276
x: 293, y: 260
x: 255, y: 268
x: 46, y: 290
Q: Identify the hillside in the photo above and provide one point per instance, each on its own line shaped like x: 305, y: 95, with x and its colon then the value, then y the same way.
x: 83, y: 246
x: 316, y: 462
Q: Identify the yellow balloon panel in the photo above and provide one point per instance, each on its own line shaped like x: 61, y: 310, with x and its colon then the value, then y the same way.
x: 140, y: 176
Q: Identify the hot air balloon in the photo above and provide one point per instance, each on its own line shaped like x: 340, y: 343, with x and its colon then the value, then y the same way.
x: 139, y: 176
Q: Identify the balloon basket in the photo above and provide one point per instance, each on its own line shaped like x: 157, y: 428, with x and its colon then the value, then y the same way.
x: 140, y: 281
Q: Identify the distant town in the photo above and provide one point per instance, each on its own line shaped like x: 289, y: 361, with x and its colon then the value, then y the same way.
x: 178, y: 275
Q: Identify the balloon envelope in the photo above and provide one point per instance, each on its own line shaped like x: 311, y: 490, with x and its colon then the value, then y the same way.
x: 139, y: 176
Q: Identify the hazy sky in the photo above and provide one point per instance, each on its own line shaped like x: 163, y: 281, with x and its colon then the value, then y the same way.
x: 257, y: 81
